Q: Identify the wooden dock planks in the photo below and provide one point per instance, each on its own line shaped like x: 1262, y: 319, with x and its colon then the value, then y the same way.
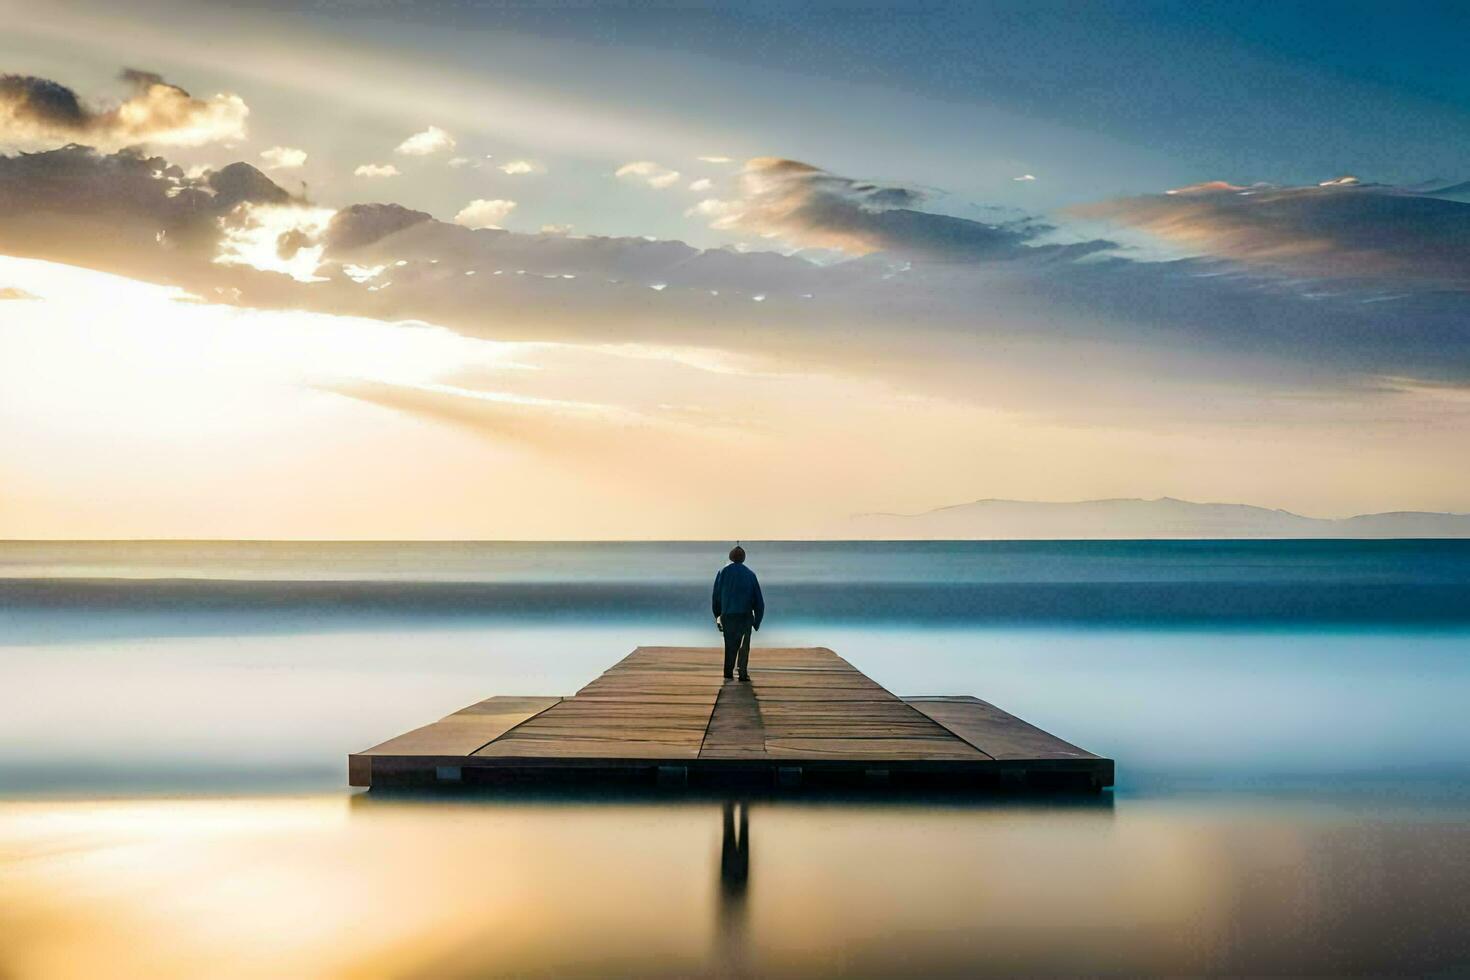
x: 669, y: 709
x: 655, y: 703
x: 1002, y: 735
x: 455, y: 735
x: 737, y: 726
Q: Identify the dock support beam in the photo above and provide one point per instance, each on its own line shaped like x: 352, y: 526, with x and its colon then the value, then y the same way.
x: 788, y: 777
x: 673, y: 776
x: 359, y: 770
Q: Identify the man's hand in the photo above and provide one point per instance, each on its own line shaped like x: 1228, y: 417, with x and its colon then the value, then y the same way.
x: 719, y: 624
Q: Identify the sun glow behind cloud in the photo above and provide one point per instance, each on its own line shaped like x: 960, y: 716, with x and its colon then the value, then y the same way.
x: 276, y: 238
x: 207, y: 420
x: 161, y: 348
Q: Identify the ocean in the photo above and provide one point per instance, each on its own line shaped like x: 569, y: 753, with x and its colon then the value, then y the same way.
x: 1288, y: 720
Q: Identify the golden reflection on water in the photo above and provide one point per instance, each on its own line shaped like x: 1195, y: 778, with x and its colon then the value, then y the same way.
x: 334, y: 886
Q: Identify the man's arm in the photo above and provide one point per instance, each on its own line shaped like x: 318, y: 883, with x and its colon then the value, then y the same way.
x: 715, y: 600
x: 759, y: 605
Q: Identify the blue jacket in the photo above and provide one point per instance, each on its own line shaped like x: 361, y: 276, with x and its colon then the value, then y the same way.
x: 738, y: 593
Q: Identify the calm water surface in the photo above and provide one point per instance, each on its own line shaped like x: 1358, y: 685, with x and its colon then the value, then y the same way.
x: 1288, y: 719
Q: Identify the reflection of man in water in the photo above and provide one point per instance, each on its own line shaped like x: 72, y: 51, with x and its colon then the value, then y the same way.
x: 739, y: 608
x: 732, y: 950
x: 734, y: 852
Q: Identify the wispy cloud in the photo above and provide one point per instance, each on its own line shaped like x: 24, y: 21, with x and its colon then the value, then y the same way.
x: 429, y: 141
x: 655, y: 175
x: 546, y: 424
x: 811, y: 207
x: 1340, y: 228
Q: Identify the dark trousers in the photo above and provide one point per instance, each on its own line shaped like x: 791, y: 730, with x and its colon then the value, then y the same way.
x: 737, y: 642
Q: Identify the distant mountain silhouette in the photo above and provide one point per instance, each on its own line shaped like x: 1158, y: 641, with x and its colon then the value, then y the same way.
x: 1136, y: 518
x: 1458, y: 192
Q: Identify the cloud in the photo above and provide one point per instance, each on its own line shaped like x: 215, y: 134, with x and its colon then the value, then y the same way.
x: 546, y: 424
x: 1207, y: 187
x: 715, y: 159
x: 283, y: 158
x: 1338, y: 229
x: 653, y: 174
x: 458, y: 162
x: 426, y: 143
x: 720, y: 214
x: 1005, y: 305
x: 37, y: 109
x: 481, y: 213
x: 518, y: 167
x: 966, y: 322
x: 702, y: 184
x: 363, y: 224
x: 11, y: 292
x: 556, y: 229
x: 810, y: 207
x: 289, y: 239
x: 126, y: 205
x: 241, y: 183
x: 376, y: 170
x: 1025, y: 178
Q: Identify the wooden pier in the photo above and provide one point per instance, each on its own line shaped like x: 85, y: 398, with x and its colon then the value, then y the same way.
x: 665, y: 715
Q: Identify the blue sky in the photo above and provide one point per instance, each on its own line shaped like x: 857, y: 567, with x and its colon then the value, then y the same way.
x: 1095, y: 100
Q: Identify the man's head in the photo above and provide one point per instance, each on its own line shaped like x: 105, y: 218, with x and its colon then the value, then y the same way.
x: 737, y: 554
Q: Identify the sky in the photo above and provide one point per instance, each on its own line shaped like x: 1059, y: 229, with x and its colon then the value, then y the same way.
x: 478, y: 270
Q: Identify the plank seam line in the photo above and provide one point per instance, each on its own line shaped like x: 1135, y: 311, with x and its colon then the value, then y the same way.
x: 709, y: 721
x: 956, y: 734
x: 887, y: 738
x: 936, y: 722
x: 518, y: 725
x: 597, y: 740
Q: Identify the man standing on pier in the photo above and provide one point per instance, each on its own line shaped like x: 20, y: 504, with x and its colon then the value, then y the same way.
x: 739, y: 608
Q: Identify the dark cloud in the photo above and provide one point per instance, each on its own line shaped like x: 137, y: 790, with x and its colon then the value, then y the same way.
x: 126, y: 211
x: 386, y: 233
x: 38, y: 110
x: 141, y: 79
x: 241, y: 183
x: 1342, y: 229
x: 1192, y: 320
x: 362, y: 224
x: 41, y: 104
x: 808, y: 206
x: 78, y: 180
